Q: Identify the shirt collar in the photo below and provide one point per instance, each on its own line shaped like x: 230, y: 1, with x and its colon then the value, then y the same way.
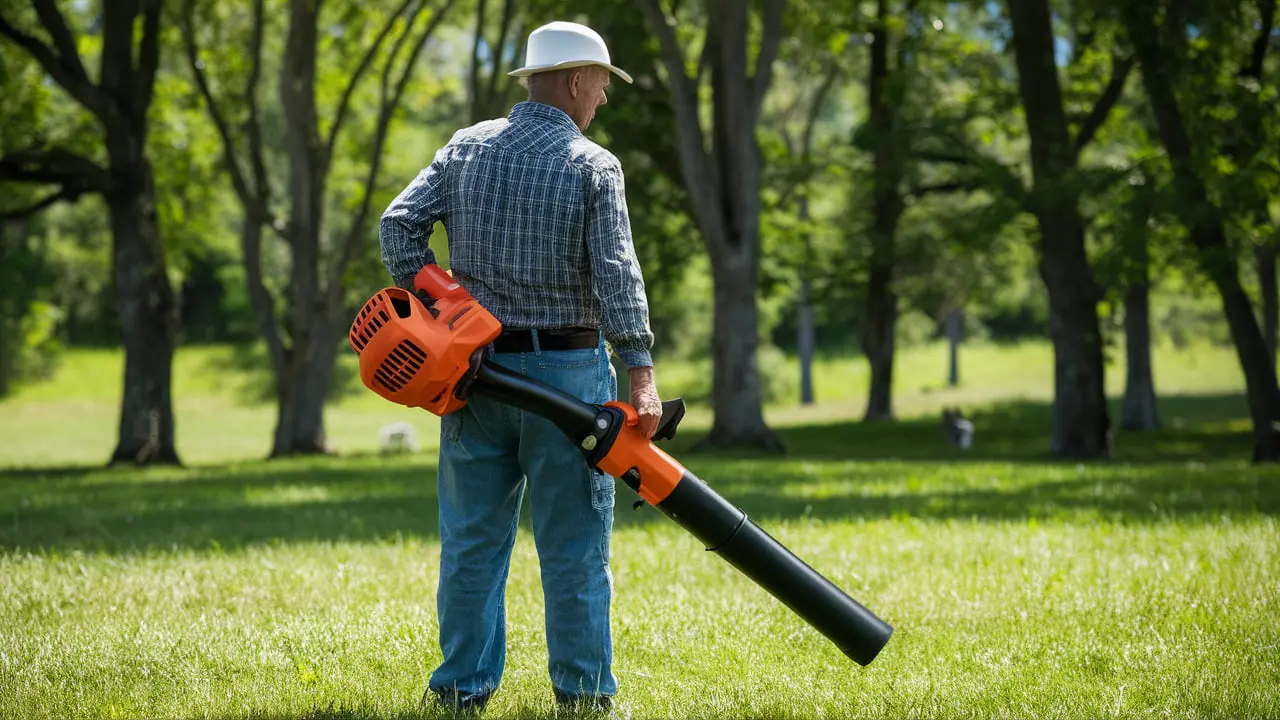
x: 536, y: 111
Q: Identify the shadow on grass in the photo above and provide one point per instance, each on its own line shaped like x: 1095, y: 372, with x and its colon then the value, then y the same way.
x: 1195, y: 427
x: 838, y: 471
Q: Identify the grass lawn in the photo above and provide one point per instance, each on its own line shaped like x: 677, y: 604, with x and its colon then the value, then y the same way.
x: 1144, y: 586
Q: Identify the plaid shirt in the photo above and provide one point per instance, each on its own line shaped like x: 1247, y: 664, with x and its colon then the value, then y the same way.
x: 538, y: 228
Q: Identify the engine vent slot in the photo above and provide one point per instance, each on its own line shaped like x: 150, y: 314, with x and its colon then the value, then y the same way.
x: 400, y: 365
x: 372, y: 319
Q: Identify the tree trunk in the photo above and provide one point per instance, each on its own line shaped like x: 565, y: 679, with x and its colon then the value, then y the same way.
x: 1208, y: 235
x: 805, y: 340
x: 955, y: 326
x: 302, y: 391
x: 1139, y: 410
x: 149, y: 320
x: 804, y: 312
x: 878, y: 343
x: 1266, y: 257
x: 736, y: 386
x: 881, y: 313
x: 309, y: 357
x: 1080, y: 420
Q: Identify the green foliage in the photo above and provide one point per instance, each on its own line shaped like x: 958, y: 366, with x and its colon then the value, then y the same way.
x: 29, y: 344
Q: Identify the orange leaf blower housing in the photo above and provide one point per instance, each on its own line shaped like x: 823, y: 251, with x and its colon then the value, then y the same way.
x: 427, y: 348
x: 419, y: 353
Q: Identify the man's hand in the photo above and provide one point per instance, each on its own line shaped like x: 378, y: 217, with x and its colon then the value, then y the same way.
x: 644, y: 398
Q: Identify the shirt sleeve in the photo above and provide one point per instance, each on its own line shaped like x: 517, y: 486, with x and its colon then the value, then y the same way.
x: 405, y: 230
x: 615, y: 270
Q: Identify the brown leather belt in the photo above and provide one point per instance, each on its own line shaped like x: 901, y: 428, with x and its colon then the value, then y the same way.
x: 521, y: 339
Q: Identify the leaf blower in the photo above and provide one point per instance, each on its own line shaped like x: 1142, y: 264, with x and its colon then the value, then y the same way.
x: 429, y: 349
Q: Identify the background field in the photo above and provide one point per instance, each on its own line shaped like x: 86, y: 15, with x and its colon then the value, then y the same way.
x: 1144, y: 586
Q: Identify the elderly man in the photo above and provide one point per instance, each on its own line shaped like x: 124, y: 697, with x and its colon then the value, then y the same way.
x: 538, y: 232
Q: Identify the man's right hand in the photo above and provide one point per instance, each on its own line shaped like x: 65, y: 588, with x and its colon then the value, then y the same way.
x: 644, y: 398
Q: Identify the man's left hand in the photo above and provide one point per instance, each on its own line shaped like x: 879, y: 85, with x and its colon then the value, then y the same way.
x: 644, y: 398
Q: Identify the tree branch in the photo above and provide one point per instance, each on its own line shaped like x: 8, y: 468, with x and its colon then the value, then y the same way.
x: 941, y: 156
x: 255, y: 199
x: 67, y: 72
x: 148, y: 58
x: 1267, y: 13
x: 695, y: 165
x: 770, y: 42
x: 1120, y: 68
x: 474, y: 80
x: 672, y: 56
x: 187, y: 28
x: 952, y: 186
x: 116, y: 61
x: 262, y: 185
x: 365, y: 62
x: 815, y: 109
x: 386, y: 111
x: 54, y: 166
x: 63, y: 41
x: 70, y: 193
x: 508, y: 12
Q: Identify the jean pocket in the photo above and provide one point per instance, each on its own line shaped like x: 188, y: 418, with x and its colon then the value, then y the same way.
x: 451, y: 426
x: 579, y: 359
x: 602, y: 490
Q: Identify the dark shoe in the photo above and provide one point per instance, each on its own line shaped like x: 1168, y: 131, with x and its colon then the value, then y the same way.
x: 450, y: 699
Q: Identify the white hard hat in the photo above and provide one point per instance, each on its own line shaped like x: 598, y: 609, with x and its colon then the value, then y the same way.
x: 560, y: 44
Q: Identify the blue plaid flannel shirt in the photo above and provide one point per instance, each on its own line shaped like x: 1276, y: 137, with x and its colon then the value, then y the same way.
x: 537, y: 225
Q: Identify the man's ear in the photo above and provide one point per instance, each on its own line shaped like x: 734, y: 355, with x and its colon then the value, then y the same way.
x: 575, y: 83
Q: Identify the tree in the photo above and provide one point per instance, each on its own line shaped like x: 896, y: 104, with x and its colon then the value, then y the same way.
x: 118, y: 100
x: 303, y: 348
x: 1080, y: 417
x: 724, y: 189
x: 1161, y: 52
x: 886, y: 85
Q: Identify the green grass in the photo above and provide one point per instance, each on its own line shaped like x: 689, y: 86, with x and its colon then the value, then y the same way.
x: 1146, y: 586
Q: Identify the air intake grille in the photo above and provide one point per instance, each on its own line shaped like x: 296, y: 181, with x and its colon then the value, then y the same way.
x: 372, y: 317
x: 400, y: 365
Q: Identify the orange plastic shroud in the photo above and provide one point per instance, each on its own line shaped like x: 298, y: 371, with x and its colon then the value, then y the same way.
x: 416, y: 354
x: 659, y: 472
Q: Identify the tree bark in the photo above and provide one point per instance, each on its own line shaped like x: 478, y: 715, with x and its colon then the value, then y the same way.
x: 1207, y: 234
x: 736, y: 395
x: 880, y: 315
x: 301, y: 393
x: 878, y: 341
x: 804, y: 311
x: 955, y: 327
x: 1139, y: 412
x: 1266, y: 257
x: 1080, y: 419
x: 805, y: 339
x: 300, y: 427
x: 148, y: 319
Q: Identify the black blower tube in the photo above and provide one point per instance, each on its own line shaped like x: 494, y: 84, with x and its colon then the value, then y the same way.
x: 723, y: 528
x: 727, y: 531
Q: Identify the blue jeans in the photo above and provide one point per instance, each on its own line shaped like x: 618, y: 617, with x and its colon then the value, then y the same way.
x: 488, y: 452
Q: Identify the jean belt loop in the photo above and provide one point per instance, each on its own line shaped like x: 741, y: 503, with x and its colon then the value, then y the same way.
x: 537, y: 347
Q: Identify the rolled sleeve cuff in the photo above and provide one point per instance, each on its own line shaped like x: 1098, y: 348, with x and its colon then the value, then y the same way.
x: 633, y: 353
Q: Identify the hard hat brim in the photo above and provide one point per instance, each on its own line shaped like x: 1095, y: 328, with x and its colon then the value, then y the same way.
x: 532, y: 69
